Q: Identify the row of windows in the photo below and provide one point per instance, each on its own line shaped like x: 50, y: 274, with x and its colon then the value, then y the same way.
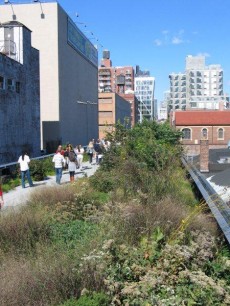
x: 187, y: 133
x: 9, y: 84
x: 144, y: 82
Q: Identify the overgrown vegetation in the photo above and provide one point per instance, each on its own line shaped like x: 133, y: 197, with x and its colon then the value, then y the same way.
x: 133, y: 234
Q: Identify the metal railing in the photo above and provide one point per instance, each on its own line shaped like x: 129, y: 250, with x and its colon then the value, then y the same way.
x: 8, y: 165
x: 218, y: 207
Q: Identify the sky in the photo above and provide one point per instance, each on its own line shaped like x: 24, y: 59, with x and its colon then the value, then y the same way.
x: 156, y: 35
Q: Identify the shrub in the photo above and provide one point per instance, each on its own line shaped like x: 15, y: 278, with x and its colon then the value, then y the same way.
x: 48, y: 165
x: 95, y: 299
x: 11, y: 184
x: 72, y: 232
x: 103, y: 181
x: 37, y: 170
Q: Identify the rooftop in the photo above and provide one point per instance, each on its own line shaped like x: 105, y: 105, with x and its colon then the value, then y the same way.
x: 202, y: 117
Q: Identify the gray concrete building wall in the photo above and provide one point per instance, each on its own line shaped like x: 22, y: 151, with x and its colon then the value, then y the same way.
x: 122, y: 110
x: 20, y: 103
x: 78, y: 90
x: 66, y: 76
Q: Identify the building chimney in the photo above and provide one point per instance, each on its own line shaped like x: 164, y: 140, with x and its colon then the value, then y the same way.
x: 221, y: 105
x: 204, y: 155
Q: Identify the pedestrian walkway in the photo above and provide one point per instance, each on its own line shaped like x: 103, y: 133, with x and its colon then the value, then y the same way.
x: 20, y: 195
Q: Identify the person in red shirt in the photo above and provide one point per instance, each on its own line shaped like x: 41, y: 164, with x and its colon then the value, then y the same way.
x: 60, y: 148
x: 1, y: 197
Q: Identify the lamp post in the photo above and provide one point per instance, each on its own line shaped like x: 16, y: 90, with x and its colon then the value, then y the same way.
x: 42, y: 13
x: 13, y: 15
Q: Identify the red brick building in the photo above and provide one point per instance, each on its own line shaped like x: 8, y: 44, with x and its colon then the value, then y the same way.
x: 211, y: 125
x: 119, y: 80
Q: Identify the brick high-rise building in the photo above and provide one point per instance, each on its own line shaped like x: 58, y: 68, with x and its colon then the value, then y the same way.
x: 118, y: 79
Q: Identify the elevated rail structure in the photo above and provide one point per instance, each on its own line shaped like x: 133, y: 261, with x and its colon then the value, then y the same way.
x: 219, y: 209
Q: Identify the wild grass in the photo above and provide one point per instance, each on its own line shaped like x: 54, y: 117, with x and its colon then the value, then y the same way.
x: 134, y: 231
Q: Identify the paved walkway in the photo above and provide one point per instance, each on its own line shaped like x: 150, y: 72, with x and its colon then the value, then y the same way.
x: 20, y: 195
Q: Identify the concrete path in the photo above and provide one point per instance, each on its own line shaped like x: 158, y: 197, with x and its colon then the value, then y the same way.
x: 20, y: 195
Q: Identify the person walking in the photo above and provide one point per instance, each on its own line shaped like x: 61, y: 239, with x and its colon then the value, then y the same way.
x: 79, y: 152
x: 24, y: 161
x: 1, y: 197
x: 72, y: 164
x: 62, y: 151
x: 90, y: 151
x: 59, y: 162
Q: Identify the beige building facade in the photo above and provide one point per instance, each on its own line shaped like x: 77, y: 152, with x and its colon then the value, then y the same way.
x: 68, y: 73
x: 111, y: 109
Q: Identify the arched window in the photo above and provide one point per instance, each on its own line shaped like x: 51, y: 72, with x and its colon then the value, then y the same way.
x: 204, y: 134
x: 220, y: 133
x: 186, y: 134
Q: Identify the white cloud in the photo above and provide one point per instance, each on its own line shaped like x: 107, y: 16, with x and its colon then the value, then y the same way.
x: 169, y: 38
x: 177, y: 40
x: 158, y: 42
x: 204, y: 54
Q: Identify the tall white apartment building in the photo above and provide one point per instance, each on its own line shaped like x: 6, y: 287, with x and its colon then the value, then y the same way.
x: 200, y: 86
x: 144, y: 91
x: 178, y: 88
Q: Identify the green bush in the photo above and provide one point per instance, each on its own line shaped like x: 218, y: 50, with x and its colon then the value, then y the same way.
x: 96, y: 299
x: 102, y: 181
x: 37, y: 170
x: 72, y: 232
x: 11, y: 184
x: 48, y: 165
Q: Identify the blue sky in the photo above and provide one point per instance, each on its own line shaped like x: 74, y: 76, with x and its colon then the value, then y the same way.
x: 157, y: 35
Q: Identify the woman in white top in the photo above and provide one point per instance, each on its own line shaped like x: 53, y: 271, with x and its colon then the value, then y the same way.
x: 79, y: 151
x: 24, y: 161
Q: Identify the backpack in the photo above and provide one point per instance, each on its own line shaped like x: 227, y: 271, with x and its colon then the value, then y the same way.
x: 72, y: 156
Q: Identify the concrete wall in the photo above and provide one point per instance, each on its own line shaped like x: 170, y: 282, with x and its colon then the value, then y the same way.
x: 122, y: 110
x: 20, y: 111
x: 78, y: 82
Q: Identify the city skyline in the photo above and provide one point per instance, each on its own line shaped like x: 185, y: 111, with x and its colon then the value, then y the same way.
x: 155, y: 35
x: 158, y: 35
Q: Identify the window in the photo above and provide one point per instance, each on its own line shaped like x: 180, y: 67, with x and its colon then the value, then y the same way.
x: 2, y: 83
x: 18, y: 87
x: 204, y: 134
x: 220, y: 133
x: 10, y: 84
x: 186, y: 134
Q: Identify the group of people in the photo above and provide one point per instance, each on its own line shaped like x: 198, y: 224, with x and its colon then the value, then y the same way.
x: 96, y: 149
x: 70, y: 158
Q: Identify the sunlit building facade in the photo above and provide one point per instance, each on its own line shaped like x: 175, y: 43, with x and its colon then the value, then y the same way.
x: 144, y: 91
x: 200, y: 86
